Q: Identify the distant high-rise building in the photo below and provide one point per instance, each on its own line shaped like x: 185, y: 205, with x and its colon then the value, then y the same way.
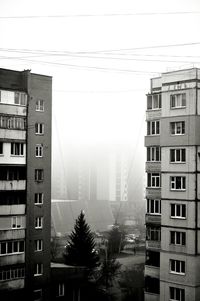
x: 172, y: 269
x: 25, y: 185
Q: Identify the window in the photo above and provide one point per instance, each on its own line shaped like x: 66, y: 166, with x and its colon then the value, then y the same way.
x: 39, y: 197
x: 153, y: 206
x: 153, y: 102
x: 153, y: 180
x: 178, y: 183
x: 178, y: 100
x: 38, y: 245
x: 153, y: 233
x: 39, y: 105
x: 38, y: 269
x: 39, y: 150
x: 153, y: 154
x: 178, y: 238
x: 39, y: 128
x: 178, y: 211
x: 39, y: 222
x: 1, y: 148
x: 17, y: 149
x: 178, y: 155
x: 177, y: 128
x: 37, y: 295
x: 177, y: 294
x: 16, y: 222
x: 11, y: 247
x: 153, y: 127
x: 39, y: 175
x: 11, y: 273
x: 177, y: 266
x: 61, y: 289
x: 20, y: 98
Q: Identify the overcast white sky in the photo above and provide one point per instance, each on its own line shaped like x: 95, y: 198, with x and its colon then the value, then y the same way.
x: 93, y: 50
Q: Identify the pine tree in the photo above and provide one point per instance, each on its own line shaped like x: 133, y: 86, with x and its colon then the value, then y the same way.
x: 80, y: 249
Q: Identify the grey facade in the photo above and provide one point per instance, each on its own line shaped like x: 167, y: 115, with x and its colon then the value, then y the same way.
x: 173, y: 186
x: 25, y: 184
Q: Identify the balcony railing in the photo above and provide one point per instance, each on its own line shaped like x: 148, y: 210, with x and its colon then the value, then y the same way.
x: 153, y: 244
x: 153, y: 193
x: 12, y: 259
x: 153, y: 166
x: 12, y: 234
x: 13, y: 185
x: 153, y: 219
x: 152, y: 271
x: 151, y: 296
x: 12, y: 209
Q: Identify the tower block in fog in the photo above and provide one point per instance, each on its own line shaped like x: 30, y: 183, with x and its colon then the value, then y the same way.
x: 25, y: 185
x: 173, y: 187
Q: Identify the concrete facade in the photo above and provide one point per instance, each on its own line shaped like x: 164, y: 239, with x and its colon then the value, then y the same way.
x: 25, y: 184
x: 178, y: 277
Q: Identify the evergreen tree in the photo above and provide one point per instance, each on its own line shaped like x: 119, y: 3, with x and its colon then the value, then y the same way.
x: 80, y: 249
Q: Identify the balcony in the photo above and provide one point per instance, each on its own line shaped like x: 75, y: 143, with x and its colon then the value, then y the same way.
x: 153, y: 166
x: 12, y: 234
x: 153, y: 193
x: 153, y: 114
x: 12, y: 259
x: 12, y: 134
x: 153, y: 244
x: 12, y: 284
x: 12, y: 209
x: 151, y: 296
x: 152, y: 271
x: 152, y: 140
x: 13, y: 185
x: 12, y: 109
x: 153, y: 219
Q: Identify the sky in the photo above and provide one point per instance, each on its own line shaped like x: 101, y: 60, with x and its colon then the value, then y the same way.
x: 101, y: 55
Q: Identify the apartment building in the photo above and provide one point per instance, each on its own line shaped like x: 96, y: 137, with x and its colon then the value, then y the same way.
x: 25, y: 185
x: 172, y: 268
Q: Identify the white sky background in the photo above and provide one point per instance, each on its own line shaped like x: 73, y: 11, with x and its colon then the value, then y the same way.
x: 105, y: 105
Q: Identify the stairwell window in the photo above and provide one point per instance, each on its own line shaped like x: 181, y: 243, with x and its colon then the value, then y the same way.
x: 178, y: 211
x: 38, y: 245
x: 177, y: 128
x: 178, y: 238
x: 39, y: 128
x: 39, y: 175
x: 153, y: 180
x: 39, y: 105
x: 178, y: 100
x: 39, y: 150
x: 177, y: 266
x: 38, y: 269
x: 1, y: 148
x: 37, y: 295
x: 39, y: 222
x: 153, y: 127
x: 178, y: 155
x: 178, y: 183
x: 39, y: 198
x: 61, y: 290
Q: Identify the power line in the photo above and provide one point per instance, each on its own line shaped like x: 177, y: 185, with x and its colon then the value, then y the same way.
x: 101, y: 15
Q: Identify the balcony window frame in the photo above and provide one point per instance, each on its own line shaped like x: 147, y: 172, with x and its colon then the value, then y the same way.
x: 17, y: 149
x: 153, y: 128
x: 151, y: 204
x: 153, y: 154
x: 154, y: 180
x: 154, y: 102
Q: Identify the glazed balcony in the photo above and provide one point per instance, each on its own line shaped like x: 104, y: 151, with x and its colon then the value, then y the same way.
x: 13, y: 185
x: 153, y: 219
